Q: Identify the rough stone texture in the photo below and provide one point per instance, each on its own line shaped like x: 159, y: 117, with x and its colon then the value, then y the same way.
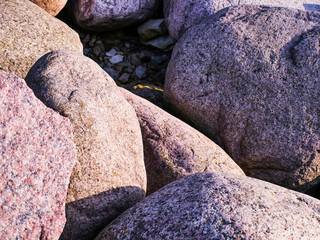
x: 152, y: 28
x: 27, y: 32
x: 253, y: 86
x: 182, y: 14
x: 173, y: 149
x: 219, y: 206
x: 104, y: 15
x: 37, y: 156
x: 109, y: 175
x: 53, y: 7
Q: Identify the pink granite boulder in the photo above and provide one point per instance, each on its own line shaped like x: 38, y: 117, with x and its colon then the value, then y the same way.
x: 219, y: 206
x: 51, y: 6
x: 106, y: 15
x: 183, y: 14
x: 110, y: 175
x: 37, y: 157
x: 173, y: 149
x: 253, y: 86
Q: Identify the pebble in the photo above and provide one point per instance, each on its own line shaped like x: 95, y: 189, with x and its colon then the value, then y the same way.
x: 113, y: 73
x: 116, y: 59
x: 135, y: 60
x: 141, y: 72
x: 111, y: 53
x: 96, y: 50
x: 127, y: 60
x: 86, y: 51
x: 124, y: 78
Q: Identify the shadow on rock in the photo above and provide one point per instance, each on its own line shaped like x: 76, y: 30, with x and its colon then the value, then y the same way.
x: 83, y: 214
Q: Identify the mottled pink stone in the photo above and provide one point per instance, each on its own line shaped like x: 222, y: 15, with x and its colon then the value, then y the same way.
x: 37, y: 155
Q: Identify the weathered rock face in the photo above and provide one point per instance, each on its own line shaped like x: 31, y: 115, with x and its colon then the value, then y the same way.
x: 27, y: 32
x: 219, y: 206
x: 109, y: 176
x: 53, y: 7
x: 173, y: 149
x: 183, y: 14
x: 37, y: 156
x: 253, y: 85
x: 106, y: 15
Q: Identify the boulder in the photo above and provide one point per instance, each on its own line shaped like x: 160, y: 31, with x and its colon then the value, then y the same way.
x: 173, y: 149
x: 109, y: 175
x: 219, y: 206
x: 183, y: 14
x: 37, y: 157
x: 253, y: 86
x: 107, y: 15
x: 27, y: 32
x: 53, y: 7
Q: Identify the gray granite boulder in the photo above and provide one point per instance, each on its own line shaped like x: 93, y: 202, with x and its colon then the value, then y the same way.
x: 107, y: 15
x: 219, y: 206
x: 173, y: 149
x: 253, y: 86
x: 27, y: 32
x: 182, y: 14
x: 53, y: 7
x: 109, y: 175
x: 37, y: 157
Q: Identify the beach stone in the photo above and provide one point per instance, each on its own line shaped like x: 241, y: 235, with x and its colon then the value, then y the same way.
x: 141, y: 72
x: 111, y: 53
x: 108, y: 15
x: 253, y: 86
x: 173, y: 149
x: 182, y: 14
x: 165, y: 43
x: 152, y: 28
x: 219, y: 206
x: 53, y: 7
x: 27, y: 32
x: 116, y: 59
x: 37, y: 157
x: 110, y: 175
x: 124, y: 78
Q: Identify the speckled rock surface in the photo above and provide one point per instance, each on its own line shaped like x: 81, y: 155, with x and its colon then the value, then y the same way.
x: 27, y: 32
x: 173, y: 149
x: 107, y: 15
x: 109, y: 175
x: 37, y: 156
x: 219, y: 206
x: 53, y: 7
x: 253, y: 86
x: 182, y: 14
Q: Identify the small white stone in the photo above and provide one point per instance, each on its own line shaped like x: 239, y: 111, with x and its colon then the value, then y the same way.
x: 111, y: 53
x: 116, y: 59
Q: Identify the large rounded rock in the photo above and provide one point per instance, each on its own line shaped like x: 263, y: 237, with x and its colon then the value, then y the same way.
x: 51, y: 6
x: 109, y: 175
x: 107, y: 15
x: 253, y: 86
x: 219, y: 206
x: 183, y: 14
x: 27, y: 32
x: 173, y: 149
x: 37, y: 157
